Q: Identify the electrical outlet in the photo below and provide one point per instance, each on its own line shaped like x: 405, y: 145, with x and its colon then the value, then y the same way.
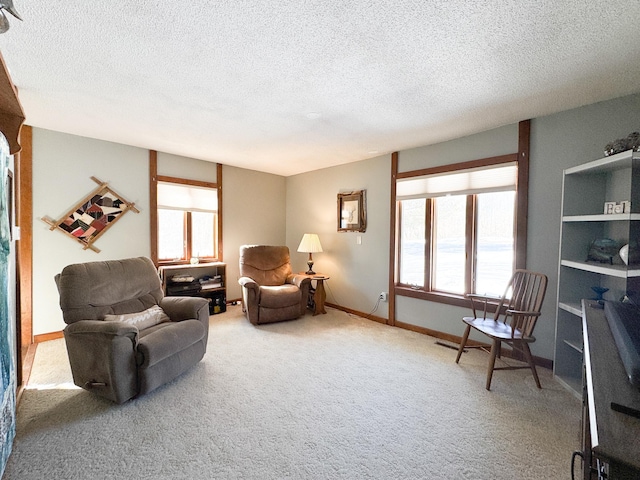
x: 383, y: 296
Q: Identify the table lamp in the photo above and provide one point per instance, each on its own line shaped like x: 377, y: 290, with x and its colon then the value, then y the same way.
x: 310, y: 244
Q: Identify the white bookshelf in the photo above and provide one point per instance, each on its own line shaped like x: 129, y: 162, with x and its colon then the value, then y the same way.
x: 585, y: 189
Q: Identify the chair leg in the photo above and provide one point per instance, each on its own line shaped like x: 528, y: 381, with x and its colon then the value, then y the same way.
x: 495, y: 349
x: 463, y: 342
x: 527, y: 354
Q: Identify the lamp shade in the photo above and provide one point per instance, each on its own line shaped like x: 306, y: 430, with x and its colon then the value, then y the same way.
x: 310, y: 243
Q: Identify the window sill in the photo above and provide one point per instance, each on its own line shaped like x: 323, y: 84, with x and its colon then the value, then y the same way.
x: 186, y: 262
x: 439, y: 297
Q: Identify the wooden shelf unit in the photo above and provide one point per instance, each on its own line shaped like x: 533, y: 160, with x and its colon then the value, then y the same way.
x: 217, y: 295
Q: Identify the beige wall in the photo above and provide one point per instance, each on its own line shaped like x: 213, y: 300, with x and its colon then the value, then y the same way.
x: 358, y: 271
x: 254, y: 214
x: 269, y: 209
x: 62, y: 167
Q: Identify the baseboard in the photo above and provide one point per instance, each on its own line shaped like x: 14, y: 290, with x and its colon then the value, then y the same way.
x: 357, y: 312
x: 454, y: 339
x: 447, y: 337
x: 26, y: 370
x: 45, y: 337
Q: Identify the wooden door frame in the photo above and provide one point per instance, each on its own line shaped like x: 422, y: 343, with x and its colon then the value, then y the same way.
x: 24, y: 257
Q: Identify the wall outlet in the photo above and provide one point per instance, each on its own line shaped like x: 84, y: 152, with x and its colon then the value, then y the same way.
x: 383, y: 296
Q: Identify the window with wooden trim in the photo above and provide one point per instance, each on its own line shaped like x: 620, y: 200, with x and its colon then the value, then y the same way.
x: 456, y: 229
x: 187, y: 220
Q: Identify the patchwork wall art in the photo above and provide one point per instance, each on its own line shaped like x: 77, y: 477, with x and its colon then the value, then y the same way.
x: 92, y: 216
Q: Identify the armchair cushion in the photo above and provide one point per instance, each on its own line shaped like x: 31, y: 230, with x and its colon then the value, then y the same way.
x: 279, y: 296
x: 145, y: 319
x: 168, y: 340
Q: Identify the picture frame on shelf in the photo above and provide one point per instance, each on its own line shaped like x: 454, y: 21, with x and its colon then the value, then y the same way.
x: 352, y: 214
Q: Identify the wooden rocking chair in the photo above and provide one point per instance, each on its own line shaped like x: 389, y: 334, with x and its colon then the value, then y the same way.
x: 512, y: 321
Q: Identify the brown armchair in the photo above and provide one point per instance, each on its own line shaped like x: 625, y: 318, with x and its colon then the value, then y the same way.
x: 270, y: 291
x: 124, y: 337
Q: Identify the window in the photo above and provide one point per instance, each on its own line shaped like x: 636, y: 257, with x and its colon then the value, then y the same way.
x: 187, y: 221
x: 457, y: 230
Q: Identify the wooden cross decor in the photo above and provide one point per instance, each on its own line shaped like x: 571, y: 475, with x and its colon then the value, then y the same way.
x: 92, y: 216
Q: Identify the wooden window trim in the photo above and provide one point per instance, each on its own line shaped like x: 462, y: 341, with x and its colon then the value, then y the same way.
x: 154, y: 178
x: 520, y: 221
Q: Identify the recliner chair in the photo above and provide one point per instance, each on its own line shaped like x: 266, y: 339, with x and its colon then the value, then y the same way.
x: 124, y: 337
x: 270, y: 291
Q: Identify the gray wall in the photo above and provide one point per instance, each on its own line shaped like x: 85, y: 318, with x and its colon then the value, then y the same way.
x: 558, y: 142
x: 360, y: 272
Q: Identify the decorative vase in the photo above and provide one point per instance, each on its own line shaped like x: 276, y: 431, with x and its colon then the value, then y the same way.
x: 624, y: 254
x: 599, y: 292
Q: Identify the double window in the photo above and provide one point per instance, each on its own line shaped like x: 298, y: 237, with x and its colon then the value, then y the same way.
x: 457, y: 229
x: 187, y: 221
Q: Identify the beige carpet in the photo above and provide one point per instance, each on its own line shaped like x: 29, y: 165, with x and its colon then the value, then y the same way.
x: 332, y: 396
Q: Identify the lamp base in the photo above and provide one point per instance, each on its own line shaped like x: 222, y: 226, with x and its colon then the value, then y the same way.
x: 310, y: 271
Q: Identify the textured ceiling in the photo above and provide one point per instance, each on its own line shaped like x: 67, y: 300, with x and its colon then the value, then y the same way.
x: 289, y: 86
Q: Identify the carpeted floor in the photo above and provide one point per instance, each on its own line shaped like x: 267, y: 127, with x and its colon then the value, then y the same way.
x: 327, y: 397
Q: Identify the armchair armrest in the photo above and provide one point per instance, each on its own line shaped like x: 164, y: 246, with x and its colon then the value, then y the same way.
x: 247, y: 282
x: 102, y: 357
x: 186, y: 308
x: 298, y: 280
x: 102, y: 328
x: 250, y: 298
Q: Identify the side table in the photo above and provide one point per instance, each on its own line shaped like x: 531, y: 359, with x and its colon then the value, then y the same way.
x: 319, y: 294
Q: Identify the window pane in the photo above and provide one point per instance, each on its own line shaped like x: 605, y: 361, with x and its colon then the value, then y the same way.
x: 170, y: 234
x: 495, y: 241
x: 412, y: 228
x: 202, y: 234
x: 449, y: 243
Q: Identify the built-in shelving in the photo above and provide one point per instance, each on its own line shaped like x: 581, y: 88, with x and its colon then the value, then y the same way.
x: 621, y: 271
x: 585, y: 189
x: 615, y: 217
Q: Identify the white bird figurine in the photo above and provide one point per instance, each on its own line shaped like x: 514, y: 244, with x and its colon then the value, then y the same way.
x: 8, y: 6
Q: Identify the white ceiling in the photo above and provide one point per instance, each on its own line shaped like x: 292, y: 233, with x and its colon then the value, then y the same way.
x: 289, y: 86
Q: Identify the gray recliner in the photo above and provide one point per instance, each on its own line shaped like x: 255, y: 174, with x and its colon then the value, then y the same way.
x: 270, y: 291
x: 124, y: 337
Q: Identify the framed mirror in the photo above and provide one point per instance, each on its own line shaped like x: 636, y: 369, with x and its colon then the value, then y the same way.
x: 352, y: 214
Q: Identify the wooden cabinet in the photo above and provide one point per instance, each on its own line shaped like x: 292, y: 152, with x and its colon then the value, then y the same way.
x: 206, y: 280
x: 585, y: 190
